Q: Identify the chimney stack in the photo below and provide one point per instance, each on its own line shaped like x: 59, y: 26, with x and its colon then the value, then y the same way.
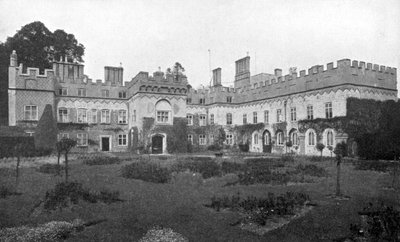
x: 216, y: 77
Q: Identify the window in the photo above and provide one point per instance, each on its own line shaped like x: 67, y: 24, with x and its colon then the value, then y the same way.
x: 82, y: 139
x: 229, y: 99
x: 82, y: 115
x: 190, y: 139
x: 31, y: 112
x: 279, y: 115
x: 279, y: 138
x: 294, y: 138
x: 228, y: 118
x: 82, y: 92
x: 244, y: 118
x: 189, y: 118
x: 229, y: 139
x: 63, y: 115
x: 70, y: 71
x: 105, y: 93
x: 311, y: 138
x: 63, y: 135
x: 63, y: 91
x: 329, y: 138
x: 256, y: 139
x: 30, y: 133
x: 202, y: 139
x: 188, y: 100
x: 267, y: 138
x: 310, y: 112
x: 93, y: 116
x: 328, y: 110
x: 212, y: 119
x: 293, y: 114
x: 254, y: 117
x: 202, y: 120
x: 134, y: 116
x: 266, y: 116
x: 162, y: 116
x: 105, y: 116
x: 202, y: 101
x: 122, y: 140
x: 122, y: 116
x: 122, y: 94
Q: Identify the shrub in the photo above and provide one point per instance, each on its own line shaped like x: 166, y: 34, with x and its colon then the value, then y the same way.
x: 49, y: 168
x: 204, y: 165
x: 287, y: 158
x: 162, y: 234
x: 244, y: 147
x: 373, y: 165
x: 102, y: 160
x: 187, y: 178
x: 46, y: 130
x: 5, y: 192
x: 311, y: 170
x: 214, y: 147
x: 232, y: 167
x: 147, y: 172
x: 7, y: 172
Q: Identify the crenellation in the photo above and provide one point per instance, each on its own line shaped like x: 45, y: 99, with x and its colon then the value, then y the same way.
x: 320, y: 68
x: 343, y: 63
x: 362, y: 65
x: 329, y: 66
x: 382, y: 69
x: 302, y: 73
x: 286, y: 77
x: 376, y: 67
x: 369, y: 66
x: 354, y: 63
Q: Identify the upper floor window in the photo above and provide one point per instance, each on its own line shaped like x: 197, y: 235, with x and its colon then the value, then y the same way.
x: 188, y: 100
x: 105, y: 93
x: 293, y: 114
x: 212, y: 119
x: 266, y: 116
x: 244, y: 118
x: 70, y: 71
x: 93, y: 116
x: 254, y: 117
x: 228, y: 118
x: 189, y: 118
x: 81, y: 115
x: 63, y: 91
x: 202, y: 121
x: 63, y: 115
x: 105, y: 116
x: 122, y: 94
x: 202, y: 139
x: 82, y: 92
x: 202, y: 101
x: 122, y: 139
x: 279, y: 115
x: 328, y: 110
x: 310, y: 112
x: 31, y: 112
x: 82, y: 139
x: 122, y: 116
x: 163, y: 112
x: 162, y: 116
x: 229, y: 99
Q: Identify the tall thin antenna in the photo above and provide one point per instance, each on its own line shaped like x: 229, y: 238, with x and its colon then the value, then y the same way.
x: 209, y: 66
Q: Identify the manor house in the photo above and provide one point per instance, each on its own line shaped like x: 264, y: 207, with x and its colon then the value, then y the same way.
x: 111, y: 115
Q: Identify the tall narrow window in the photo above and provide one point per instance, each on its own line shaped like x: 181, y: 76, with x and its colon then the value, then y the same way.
x: 202, y: 120
x: 63, y: 115
x: 328, y: 110
x: 229, y: 99
x: 212, y: 119
x: 81, y: 92
x: 190, y: 139
x: 188, y: 100
x: 294, y: 138
x: 256, y: 139
x: 81, y: 115
x: 293, y: 114
x: 279, y: 138
x: 202, y: 139
x: 105, y: 116
x: 229, y: 139
x: 93, y: 114
x: 202, y: 101
x: 189, y: 118
x: 244, y: 118
x: 329, y: 138
x: 311, y: 138
x: 122, y: 116
x: 278, y: 115
x: 228, y: 118
x: 82, y: 139
x: 122, y: 94
x: 266, y: 116
x: 254, y: 117
x: 310, y: 112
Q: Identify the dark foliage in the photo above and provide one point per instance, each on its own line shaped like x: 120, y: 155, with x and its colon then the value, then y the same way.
x: 49, y: 168
x: 101, y: 160
x: 6, y: 191
x: 214, y: 147
x: 287, y: 158
x: 374, y: 165
x: 147, y: 172
x: 311, y: 170
x: 46, y: 131
x: 244, y: 147
x: 204, y: 165
x: 232, y: 167
x: 67, y: 193
x: 8, y: 144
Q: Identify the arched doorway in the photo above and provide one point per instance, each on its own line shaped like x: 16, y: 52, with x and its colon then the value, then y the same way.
x: 157, y: 144
x: 266, y: 139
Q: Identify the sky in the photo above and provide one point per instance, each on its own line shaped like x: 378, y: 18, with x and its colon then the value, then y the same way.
x: 144, y: 35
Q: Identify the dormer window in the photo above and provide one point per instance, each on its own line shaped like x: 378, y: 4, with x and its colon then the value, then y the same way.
x: 122, y: 94
x: 105, y: 93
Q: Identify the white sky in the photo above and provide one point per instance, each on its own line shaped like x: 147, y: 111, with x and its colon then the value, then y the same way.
x: 146, y: 34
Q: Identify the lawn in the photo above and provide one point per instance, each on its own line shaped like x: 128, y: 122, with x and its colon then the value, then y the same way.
x: 180, y: 206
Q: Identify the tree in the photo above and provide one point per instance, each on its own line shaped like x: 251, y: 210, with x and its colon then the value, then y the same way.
x: 66, y: 45
x: 340, y: 152
x: 221, y: 137
x: 289, y: 144
x: 320, y: 147
x: 330, y: 148
x: 65, y: 145
x: 46, y: 131
x: 177, y: 70
x: 19, y: 150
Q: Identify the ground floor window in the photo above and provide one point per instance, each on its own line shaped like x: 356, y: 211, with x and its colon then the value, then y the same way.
x: 202, y: 139
x: 279, y: 138
x: 190, y: 139
x: 311, y: 138
x: 122, y: 140
x: 294, y: 138
x: 229, y: 139
x: 256, y: 139
x: 82, y: 139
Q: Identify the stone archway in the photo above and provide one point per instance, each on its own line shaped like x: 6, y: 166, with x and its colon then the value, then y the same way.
x: 266, y: 140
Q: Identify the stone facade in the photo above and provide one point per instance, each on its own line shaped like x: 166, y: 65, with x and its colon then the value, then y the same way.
x: 117, y: 116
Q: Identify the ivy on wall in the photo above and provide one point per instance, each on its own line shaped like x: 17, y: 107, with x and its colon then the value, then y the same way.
x: 244, y: 132
x: 320, y: 124
x: 72, y: 126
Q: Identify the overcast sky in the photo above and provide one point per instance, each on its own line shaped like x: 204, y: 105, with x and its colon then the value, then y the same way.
x: 144, y: 35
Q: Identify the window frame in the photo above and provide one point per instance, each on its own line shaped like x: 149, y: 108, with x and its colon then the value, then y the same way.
x: 266, y: 116
x: 229, y: 119
x: 293, y: 114
x: 93, y: 116
x: 280, y: 138
x: 190, y: 139
x: 64, y: 118
x: 278, y: 115
x: 122, y: 116
x: 122, y: 140
x: 84, y: 138
x: 105, y: 111
x: 211, y: 118
x: 202, y: 120
x: 202, y: 139
x: 105, y: 93
x: 255, y: 118
x: 245, y: 118
x: 310, y: 112
x: 162, y: 116
x: 80, y: 93
x: 63, y: 91
x: 84, y: 115
x: 311, y: 142
x: 328, y: 110
x: 229, y: 139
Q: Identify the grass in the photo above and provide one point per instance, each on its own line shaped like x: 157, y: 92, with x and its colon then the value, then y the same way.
x: 180, y: 207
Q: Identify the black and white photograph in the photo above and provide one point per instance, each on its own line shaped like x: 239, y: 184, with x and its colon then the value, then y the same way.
x: 199, y: 120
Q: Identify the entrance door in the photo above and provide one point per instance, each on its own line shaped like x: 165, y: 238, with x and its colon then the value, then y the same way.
x: 266, y: 139
x: 105, y: 143
x: 157, y: 144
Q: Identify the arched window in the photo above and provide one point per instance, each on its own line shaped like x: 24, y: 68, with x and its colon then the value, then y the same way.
x: 266, y: 138
x: 256, y: 139
x: 163, y: 112
x: 311, y: 138
x: 279, y: 138
x: 294, y: 138
x: 329, y: 138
